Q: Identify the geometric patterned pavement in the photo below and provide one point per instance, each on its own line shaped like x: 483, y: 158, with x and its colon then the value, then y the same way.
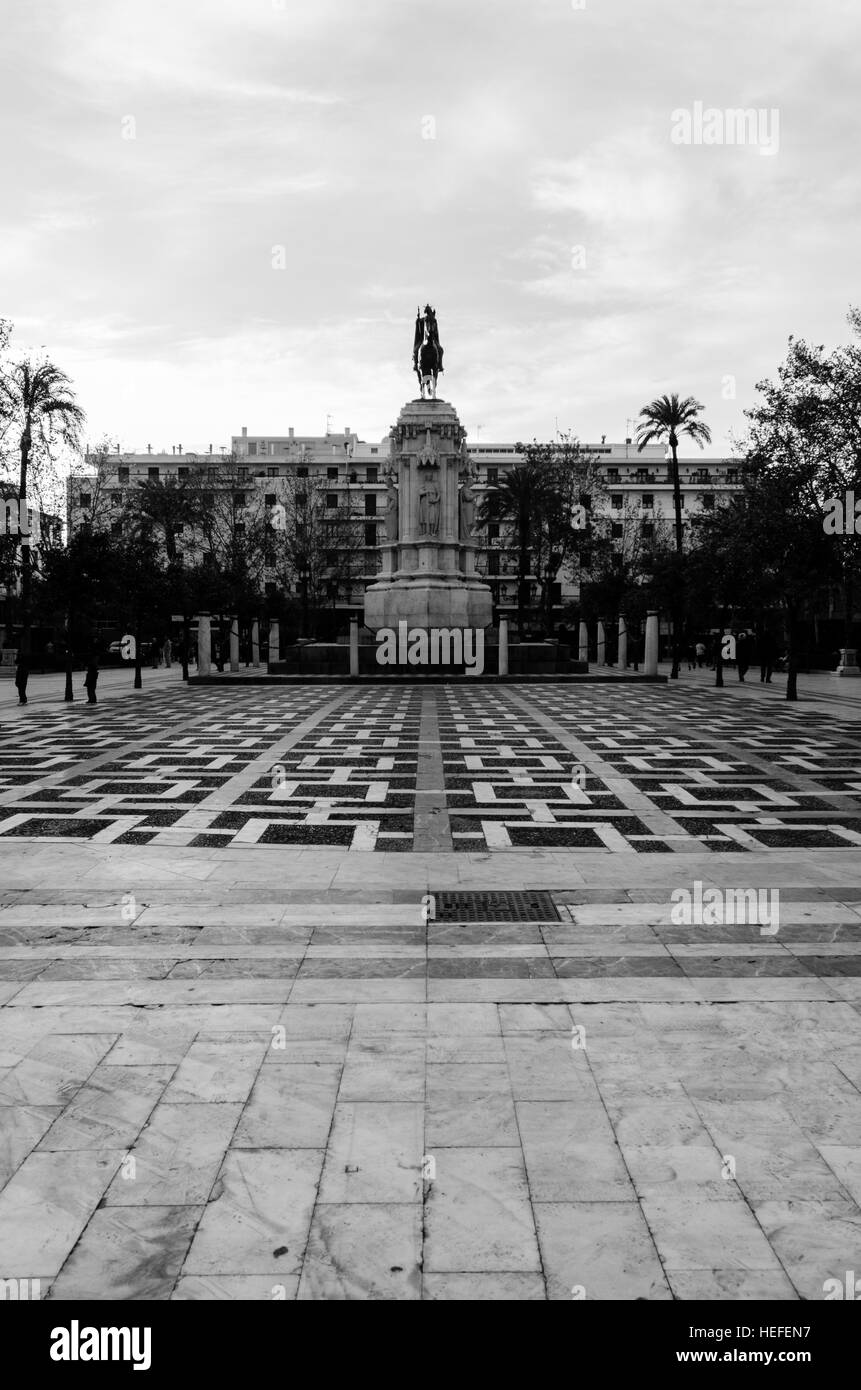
x: 236, y: 1064
x: 627, y: 768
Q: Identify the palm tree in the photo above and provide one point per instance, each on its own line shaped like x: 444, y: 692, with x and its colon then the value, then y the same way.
x: 667, y: 419
x: 38, y: 400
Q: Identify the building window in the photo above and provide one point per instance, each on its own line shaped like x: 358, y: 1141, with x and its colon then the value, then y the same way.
x: 252, y: 450
x: 616, y: 501
x: 152, y: 473
x: 123, y: 474
x: 708, y: 501
x: 301, y: 472
x: 648, y: 530
x: 493, y: 475
x: 732, y: 475
x: 182, y: 472
x: 371, y: 533
x: 374, y: 450
x: 86, y: 499
x: 239, y: 499
x: 617, y: 530
x: 331, y: 472
x: 371, y: 474
x: 493, y: 562
x: 331, y: 500
x: 272, y: 472
x: 648, y: 499
x: 612, y: 475
x: 270, y: 499
x: 493, y: 531
x: 370, y: 504
x: 493, y: 505
x: 116, y: 498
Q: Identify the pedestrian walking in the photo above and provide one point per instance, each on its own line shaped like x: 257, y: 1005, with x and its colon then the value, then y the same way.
x: 22, y: 675
x: 701, y: 654
x: 92, y: 677
x: 742, y: 654
x: 768, y: 651
x: 168, y: 651
x: 154, y: 654
x: 691, y: 655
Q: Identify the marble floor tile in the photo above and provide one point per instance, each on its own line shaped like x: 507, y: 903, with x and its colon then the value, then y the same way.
x: 477, y: 1213
x: 700, y: 1232
x: 374, y: 1153
x: 176, y: 1157
x: 46, y: 1205
x: 570, y: 1152
x: 259, y: 1214
x: 109, y: 1110
x: 290, y: 1107
x: 363, y: 1250
x: 218, y: 1069
x: 127, y: 1253
x: 598, y: 1250
x: 54, y: 1069
x: 484, y: 1288
x: 225, y: 1288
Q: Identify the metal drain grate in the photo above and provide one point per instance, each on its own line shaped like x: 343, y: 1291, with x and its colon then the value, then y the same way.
x: 495, y: 907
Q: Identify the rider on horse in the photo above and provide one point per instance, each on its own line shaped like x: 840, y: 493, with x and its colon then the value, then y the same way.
x: 427, y: 352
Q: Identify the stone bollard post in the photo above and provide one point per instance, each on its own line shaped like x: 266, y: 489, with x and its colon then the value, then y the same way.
x: 204, y: 645
x: 650, y: 663
x: 354, y: 646
x: 503, y: 646
x: 623, y: 643
x: 234, y: 643
x: 584, y: 642
x: 255, y: 643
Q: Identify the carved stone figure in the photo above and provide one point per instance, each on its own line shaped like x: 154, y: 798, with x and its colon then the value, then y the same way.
x: 429, y: 509
x: 392, y: 507
x: 467, y: 511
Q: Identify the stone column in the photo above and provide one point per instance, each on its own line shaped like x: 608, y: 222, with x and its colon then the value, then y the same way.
x: 204, y: 645
x: 255, y: 643
x: 274, y: 640
x: 623, y: 643
x: 354, y: 646
x: 503, y: 646
x: 601, y: 655
x: 650, y: 660
x: 234, y: 643
x: 584, y: 642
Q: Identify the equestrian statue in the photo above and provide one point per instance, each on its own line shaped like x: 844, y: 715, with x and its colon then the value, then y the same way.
x: 427, y: 353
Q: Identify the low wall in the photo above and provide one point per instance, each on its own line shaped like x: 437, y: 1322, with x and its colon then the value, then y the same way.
x: 333, y: 659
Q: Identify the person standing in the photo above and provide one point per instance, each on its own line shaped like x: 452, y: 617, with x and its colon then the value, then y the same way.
x: 701, y: 654
x: 92, y: 677
x: 22, y: 675
x: 168, y: 651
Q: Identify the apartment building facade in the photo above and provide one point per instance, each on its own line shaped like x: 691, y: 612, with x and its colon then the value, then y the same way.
x: 637, y: 491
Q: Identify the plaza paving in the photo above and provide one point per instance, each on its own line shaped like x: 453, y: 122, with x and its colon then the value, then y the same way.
x: 250, y: 1049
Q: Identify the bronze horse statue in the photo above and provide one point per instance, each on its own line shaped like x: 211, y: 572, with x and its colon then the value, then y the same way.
x: 427, y: 353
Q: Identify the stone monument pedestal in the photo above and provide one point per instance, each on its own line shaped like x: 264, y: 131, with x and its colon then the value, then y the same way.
x: 428, y: 578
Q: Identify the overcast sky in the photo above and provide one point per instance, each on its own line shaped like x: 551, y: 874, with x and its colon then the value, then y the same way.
x: 145, y: 264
